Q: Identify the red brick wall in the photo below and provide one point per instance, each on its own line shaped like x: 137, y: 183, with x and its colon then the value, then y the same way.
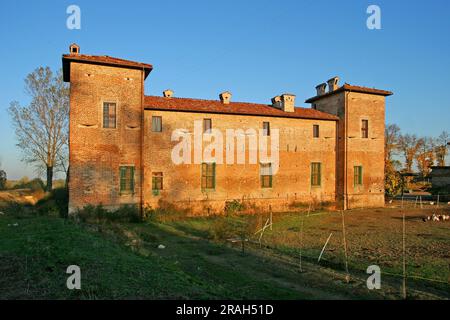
x: 353, y: 150
x: 291, y: 185
x: 95, y: 152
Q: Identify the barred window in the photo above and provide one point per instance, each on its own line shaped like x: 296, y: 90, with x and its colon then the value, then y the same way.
x: 316, y: 132
x: 127, y: 179
x: 266, y: 128
x: 365, y: 128
x: 316, y: 174
x: 157, y: 181
x: 109, y: 115
x: 266, y: 175
x: 358, y: 175
x: 156, y: 124
x: 208, y: 175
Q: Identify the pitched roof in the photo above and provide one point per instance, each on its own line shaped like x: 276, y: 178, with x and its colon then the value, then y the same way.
x: 349, y: 87
x: 236, y: 108
x: 102, y: 60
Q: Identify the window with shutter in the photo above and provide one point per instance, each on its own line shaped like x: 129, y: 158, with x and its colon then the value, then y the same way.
x: 208, y: 175
x: 126, y: 179
x: 109, y: 115
x: 316, y: 174
x: 266, y: 175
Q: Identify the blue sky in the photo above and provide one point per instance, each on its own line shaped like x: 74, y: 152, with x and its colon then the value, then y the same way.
x: 255, y: 49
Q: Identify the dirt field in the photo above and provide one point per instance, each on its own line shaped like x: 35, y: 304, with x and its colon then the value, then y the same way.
x: 122, y: 260
x: 21, y: 196
x: 373, y: 237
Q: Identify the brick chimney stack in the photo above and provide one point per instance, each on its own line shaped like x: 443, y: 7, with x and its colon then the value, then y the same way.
x: 288, y: 102
x: 321, y: 89
x: 333, y: 84
x: 225, y: 97
x: 168, y: 93
x: 74, y: 49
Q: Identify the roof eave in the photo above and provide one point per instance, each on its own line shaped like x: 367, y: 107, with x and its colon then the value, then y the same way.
x: 344, y: 89
x: 66, y: 60
x: 331, y: 118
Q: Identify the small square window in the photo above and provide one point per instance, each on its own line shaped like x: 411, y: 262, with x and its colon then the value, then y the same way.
x: 316, y: 132
x: 156, y: 124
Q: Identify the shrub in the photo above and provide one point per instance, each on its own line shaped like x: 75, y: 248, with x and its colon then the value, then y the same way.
x: 234, y: 226
x: 54, y: 203
x: 166, y: 211
x: 35, y: 184
x: 15, y: 209
x: 125, y: 213
x: 233, y: 207
x: 47, y: 207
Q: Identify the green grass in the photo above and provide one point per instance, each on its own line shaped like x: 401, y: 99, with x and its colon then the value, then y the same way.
x: 122, y: 260
x: 373, y: 237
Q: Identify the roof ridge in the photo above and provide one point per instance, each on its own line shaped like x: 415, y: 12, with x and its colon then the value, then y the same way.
x: 243, y: 108
x: 232, y: 102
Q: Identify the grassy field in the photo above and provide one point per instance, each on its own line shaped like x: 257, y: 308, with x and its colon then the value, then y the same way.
x: 122, y: 260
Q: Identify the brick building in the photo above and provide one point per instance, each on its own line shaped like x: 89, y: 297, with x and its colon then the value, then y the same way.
x: 122, y: 144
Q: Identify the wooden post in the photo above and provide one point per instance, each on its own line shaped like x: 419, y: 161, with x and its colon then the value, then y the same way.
x: 404, y: 257
x: 402, y: 201
x: 347, y: 277
x: 438, y: 200
x: 271, y: 219
x: 323, y: 249
x: 301, y: 242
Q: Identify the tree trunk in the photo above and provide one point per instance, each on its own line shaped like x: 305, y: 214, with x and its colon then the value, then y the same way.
x: 67, y: 177
x: 49, y: 179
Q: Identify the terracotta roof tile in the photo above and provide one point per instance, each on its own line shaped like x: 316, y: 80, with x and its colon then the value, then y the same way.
x: 103, y: 60
x: 349, y: 87
x: 237, y: 108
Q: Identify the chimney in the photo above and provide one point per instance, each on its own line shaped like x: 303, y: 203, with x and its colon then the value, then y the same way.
x: 276, y: 102
x: 287, y: 102
x: 225, y: 97
x: 168, y: 93
x: 321, y: 89
x: 333, y: 84
x: 74, y: 49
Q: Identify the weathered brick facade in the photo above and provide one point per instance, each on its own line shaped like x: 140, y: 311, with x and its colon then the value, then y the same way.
x: 98, y: 153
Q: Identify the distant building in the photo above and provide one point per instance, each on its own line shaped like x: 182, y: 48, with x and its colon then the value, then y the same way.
x: 440, y: 176
x: 121, y: 142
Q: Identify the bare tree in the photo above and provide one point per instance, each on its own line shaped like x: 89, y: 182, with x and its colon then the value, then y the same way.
x: 3, y: 179
x: 441, y: 149
x: 392, y: 179
x: 425, y: 155
x: 42, y: 127
x: 391, y: 140
x: 409, y: 145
